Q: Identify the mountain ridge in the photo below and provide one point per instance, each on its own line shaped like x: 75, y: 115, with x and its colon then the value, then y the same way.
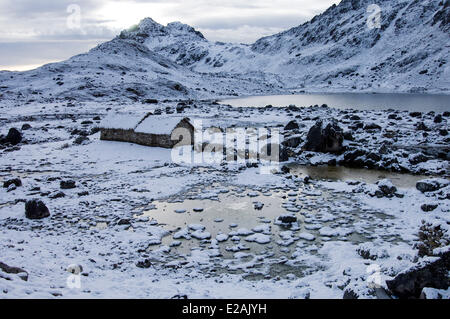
x: 333, y: 52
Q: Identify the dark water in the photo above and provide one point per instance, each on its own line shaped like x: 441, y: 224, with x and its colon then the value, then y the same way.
x: 359, y: 101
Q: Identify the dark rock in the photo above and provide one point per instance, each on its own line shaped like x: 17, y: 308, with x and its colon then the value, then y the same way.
x: 287, y: 219
x: 180, y: 296
x: 26, y: 126
x: 387, y: 188
x: 284, y: 155
x: 14, y: 137
x: 431, y: 185
x: 328, y: 139
x: 57, y: 195
x: 293, y: 141
x: 418, y: 158
x: 146, y: 263
x: 348, y: 136
x: 124, y: 221
x: 372, y: 126
x: 150, y: 101
x: 350, y: 294
x: 15, y: 181
x: 14, y: 270
x: 422, y: 127
x: 80, y: 140
x: 67, y: 184
x: 415, y: 114
x: 36, y: 209
x: 180, y: 109
x: 285, y: 169
x: 438, y: 119
x: 443, y: 132
x: 429, y: 207
x: 292, y: 125
x: 431, y: 274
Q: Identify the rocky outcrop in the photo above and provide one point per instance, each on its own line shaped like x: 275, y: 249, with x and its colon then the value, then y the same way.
x: 14, y: 270
x: 325, y: 138
x: 431, y: 274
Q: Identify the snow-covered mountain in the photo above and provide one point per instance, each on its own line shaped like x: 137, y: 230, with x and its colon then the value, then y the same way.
x: 335, y: 51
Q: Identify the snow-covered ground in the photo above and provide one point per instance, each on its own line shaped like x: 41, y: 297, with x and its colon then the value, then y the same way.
x: 128, y: 221
x: 109, y: 223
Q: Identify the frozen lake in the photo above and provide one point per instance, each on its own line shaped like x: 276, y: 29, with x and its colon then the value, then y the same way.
x: 359, y: 101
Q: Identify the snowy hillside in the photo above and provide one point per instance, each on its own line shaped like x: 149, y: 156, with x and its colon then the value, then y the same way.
x: 335, y: 51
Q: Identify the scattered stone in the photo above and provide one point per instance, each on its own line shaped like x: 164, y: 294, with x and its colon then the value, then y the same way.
x: 57, y: 195
x: 144, y: 264
x: 350, y: 294
x: 26, y: 126
x: 124, y: 221
x: 287, y: 219
x: 372, y: 126
x: 81, y: 140
x: 68, y: 184
x: 387, y: 188
x: 15, y: 181
x: 292, y: 125
x: 36, y: 209
x: 431, y: 185
x: 258, y: 205
x: 429, y: 207
x: 150, y: 101
x: 328, y: 139
x: 438, y: 119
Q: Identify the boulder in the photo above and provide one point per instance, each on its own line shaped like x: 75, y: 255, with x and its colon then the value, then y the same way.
x: 437, y: 119
x: 36, y: 209
x: 387, y: 188
x: 429, y: 207
x: 14, y: 137
x: 431, y: 185
x: 68, y: 184
x: 292, y: 125
x: 325, y: 138
x: 14, y: 181
x: 292, y: 141
x: 431, y: 273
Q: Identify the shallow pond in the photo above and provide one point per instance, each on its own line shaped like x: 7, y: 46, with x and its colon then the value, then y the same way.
x: 358, y: 101
x: 340, y: 173
x: 235, y: 212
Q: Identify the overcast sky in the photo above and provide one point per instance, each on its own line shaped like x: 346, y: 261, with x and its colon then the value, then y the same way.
x: 33, y: 32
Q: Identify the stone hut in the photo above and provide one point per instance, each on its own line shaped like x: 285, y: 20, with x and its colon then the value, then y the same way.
x: 148, y: 130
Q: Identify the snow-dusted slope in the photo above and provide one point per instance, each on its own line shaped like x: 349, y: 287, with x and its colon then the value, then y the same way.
x: 335, y: 51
